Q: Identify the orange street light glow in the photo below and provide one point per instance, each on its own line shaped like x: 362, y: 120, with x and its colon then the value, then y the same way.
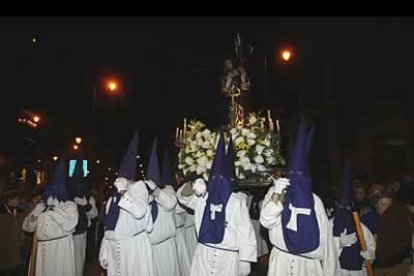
x: 112, y: 86
x: 78, y: 140
x: 75, y: 147
x: 36, y: 119
x: 286, y: 55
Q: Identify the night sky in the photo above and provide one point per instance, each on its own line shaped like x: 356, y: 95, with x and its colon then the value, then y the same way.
x: 169, y: 69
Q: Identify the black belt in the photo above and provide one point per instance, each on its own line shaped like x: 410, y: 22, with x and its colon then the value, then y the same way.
x: 224, y: 249
x: 54, y: 239
x: 290, y: 253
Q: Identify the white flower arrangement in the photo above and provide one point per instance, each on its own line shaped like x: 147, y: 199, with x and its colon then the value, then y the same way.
x: 255, y: 149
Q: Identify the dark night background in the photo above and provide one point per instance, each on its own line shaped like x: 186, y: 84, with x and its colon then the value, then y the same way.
x: 355, y: 74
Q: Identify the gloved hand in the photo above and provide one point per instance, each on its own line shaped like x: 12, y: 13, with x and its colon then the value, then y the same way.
x: 367, y: 255
x: 137, y: 190
x: 244, y: 268
x: 199, y: 187
x: 280, y: 184
x: 82, y: 201
x: 38, y: 209
x: 121, y: 184
x: 151, y: 185
x: 347, y: 240
x: 50, y: 201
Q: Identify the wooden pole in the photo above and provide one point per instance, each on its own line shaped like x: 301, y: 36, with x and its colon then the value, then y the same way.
x: 361, y: 239
x: 31, y: 271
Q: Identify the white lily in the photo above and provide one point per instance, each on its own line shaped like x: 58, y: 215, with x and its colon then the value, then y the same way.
x: 206, y: 145
x: 266, y: 142
x: 192, y: 168
x: 241, y: 153
x: 270, y: 160
x: 245, y: 132
x: 198, y: 135
x: 239, y: 140
x: 251, y: 142
x: 206, y: 133
x: 258, y: 159
x: 201, y: 169
x: 252, y: 120
x: 189, y: 161
x: 202, y: 161
x: 209, y: 164
x: 259, y: 149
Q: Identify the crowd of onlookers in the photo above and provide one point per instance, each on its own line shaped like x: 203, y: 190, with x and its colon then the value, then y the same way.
x: 387, y: 209
x: 17, y: 199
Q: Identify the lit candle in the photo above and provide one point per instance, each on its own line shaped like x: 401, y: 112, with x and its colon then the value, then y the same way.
x: 271, y: 125
x: 177, y: 130
x: 185, y: 128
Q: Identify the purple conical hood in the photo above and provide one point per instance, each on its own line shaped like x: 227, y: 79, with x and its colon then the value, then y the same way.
x: 153, y: 171
x: 128, y: 168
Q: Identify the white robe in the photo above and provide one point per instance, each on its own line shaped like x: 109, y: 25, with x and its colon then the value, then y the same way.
x: 162, y: 237
x: 239, y: 241
x: 190, y: 235
x: 184, y: 259
x: 370, y: 243
x: 127, y: 248
x: 80, y: 240
x: 322, y: 261
x: 262, y: 248
x: 54, y: 228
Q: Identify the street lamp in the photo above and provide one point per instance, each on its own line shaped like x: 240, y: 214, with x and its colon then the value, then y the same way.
x: 111, y: 87
x: 36, y: 119
x: 75, y: 147
x: 286, y: 55
x: 55, y: 158
x: 78, y: 140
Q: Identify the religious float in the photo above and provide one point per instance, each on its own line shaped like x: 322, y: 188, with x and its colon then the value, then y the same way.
x: 256, y: 136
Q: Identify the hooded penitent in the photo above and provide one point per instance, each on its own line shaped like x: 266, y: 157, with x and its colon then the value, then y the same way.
x: 153, y: 174
x: 127, y: 170
x: 350, y: 258
x: 299, y: 223
x: 78, y: 187
x: 219, y: 188
x: 58, y: 188
x: 166, y: 172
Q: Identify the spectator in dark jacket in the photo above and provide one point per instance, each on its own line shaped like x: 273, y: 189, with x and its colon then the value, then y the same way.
x: 394, y: 236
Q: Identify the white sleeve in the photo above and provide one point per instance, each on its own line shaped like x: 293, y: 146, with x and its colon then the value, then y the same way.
x: 104, y: 254
x: 166, y: 198
x: 30, y: 221
x: 330, y: 261
x: 336, y: 240
x: 65, y: 215
x: 369, y: 240
x: 247, y: 237
x: 135, y: 201
x: 189, y: 201
x: 93, y: 212
x: 270, y: 214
